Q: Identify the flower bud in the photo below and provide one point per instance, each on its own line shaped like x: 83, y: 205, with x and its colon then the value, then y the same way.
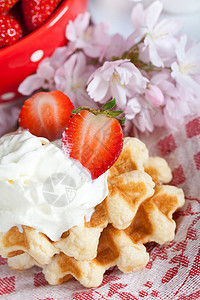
x: 154, y: 95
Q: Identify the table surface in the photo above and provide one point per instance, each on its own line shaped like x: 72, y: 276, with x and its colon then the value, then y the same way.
x: 120, y: 22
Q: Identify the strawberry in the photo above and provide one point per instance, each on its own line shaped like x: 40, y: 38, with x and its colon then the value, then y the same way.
x: 6, y: 5
x: 94, y: 138
x: 16, y: 13
x: 10, y: 31
x: 46, y: 114
x: 37, y: 12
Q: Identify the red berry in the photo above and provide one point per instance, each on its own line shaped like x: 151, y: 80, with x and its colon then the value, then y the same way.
x: 46, y: 114
x: 6, y: 5
x: 37, y: 12
x: 95, y: 140
x: 10, y: 31
x: 16, y: 13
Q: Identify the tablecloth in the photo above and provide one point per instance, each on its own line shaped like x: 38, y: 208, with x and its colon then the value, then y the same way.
x: 173, y: 271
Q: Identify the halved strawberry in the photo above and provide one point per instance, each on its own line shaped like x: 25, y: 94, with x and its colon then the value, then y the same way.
x: 46, y: 114
x: 94, y: 138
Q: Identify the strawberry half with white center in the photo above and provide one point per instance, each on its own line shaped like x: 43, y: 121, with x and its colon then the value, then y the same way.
x: 36, y: 12
x: 46, y: 114
x: 94, y: 137
x: 10, y: 31
x: 6, y: 5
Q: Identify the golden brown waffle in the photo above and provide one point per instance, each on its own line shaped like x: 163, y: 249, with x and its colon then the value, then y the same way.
x: 82, y: 242
x: 78, y: 242
x: 115, y: 248
x: 135, y: 156
x: 132, y: 180
x: 137, y: 210
x: 124, y: 248
x: 153, y: 221
x: 30, y: 241
x: 22, y: 262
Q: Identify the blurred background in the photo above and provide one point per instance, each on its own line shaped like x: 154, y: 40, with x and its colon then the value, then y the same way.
x: 117, y: 13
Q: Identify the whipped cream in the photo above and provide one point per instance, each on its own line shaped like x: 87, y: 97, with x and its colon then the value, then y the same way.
x: 42, y: 188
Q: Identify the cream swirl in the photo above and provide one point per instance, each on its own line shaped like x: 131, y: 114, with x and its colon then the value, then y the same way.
x: 42, y: 188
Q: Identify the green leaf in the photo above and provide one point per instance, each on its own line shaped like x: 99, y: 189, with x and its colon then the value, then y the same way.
x: 110, y: 104
x: 114, y: 113
x: 122, y: 121
x: 75, y: 110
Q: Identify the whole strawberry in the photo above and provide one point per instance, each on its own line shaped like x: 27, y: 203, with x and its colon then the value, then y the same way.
x: 37, y: 12
x: 16, y: 14
x: 6, y: 5
x: 10, y: 31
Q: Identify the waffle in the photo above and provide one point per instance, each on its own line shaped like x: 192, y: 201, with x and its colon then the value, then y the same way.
x: 124, y: 248
x: 137, y: 210
x: 73, y: 243
x: 132, y: 180
x: 30, y: 241
x: 115, y: 248
x: 82, y: 242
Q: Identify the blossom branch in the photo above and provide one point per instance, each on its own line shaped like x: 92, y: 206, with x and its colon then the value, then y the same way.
x: 154, y: 74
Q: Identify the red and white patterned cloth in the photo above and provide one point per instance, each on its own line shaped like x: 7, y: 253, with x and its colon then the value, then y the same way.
x: 173, y: 272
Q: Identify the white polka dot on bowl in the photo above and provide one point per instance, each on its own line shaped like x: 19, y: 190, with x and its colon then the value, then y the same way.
x: 37, y: 55
x: 7, y: 96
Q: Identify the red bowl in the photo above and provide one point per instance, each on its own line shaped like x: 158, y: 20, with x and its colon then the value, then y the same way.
x: 21, y: 59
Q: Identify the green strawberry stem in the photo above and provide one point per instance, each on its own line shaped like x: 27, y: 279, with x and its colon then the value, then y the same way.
x: 103, y: 111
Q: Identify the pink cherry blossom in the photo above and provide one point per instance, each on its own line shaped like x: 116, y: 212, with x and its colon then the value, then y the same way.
x: 116, y: 79
x: 133, y: 107
x: 178, y: 103
x: 154, y: 74
x: 72, y: 78
x: 143, y: 115
x: 93, y: 40
x: 172, y: 117
x: 44, y: 77
x: 186, y: 70
x: 159, y: 37
x: 175, y: 111
x: 165, y: 83
x: 116, y: 47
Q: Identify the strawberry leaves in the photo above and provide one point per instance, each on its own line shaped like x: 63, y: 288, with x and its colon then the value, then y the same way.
x: 105, y: 110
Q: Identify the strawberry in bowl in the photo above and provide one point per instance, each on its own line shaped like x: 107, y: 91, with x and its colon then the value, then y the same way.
x: 6, y: 5
x: 22, y: 57
x: 37, y: 12
x: 29, y: 12
x: 10, y: 31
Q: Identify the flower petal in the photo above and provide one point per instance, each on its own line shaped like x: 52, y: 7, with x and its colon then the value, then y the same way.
x: 153, y: 13
x: 97, y: 88
x: 30, y: 84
